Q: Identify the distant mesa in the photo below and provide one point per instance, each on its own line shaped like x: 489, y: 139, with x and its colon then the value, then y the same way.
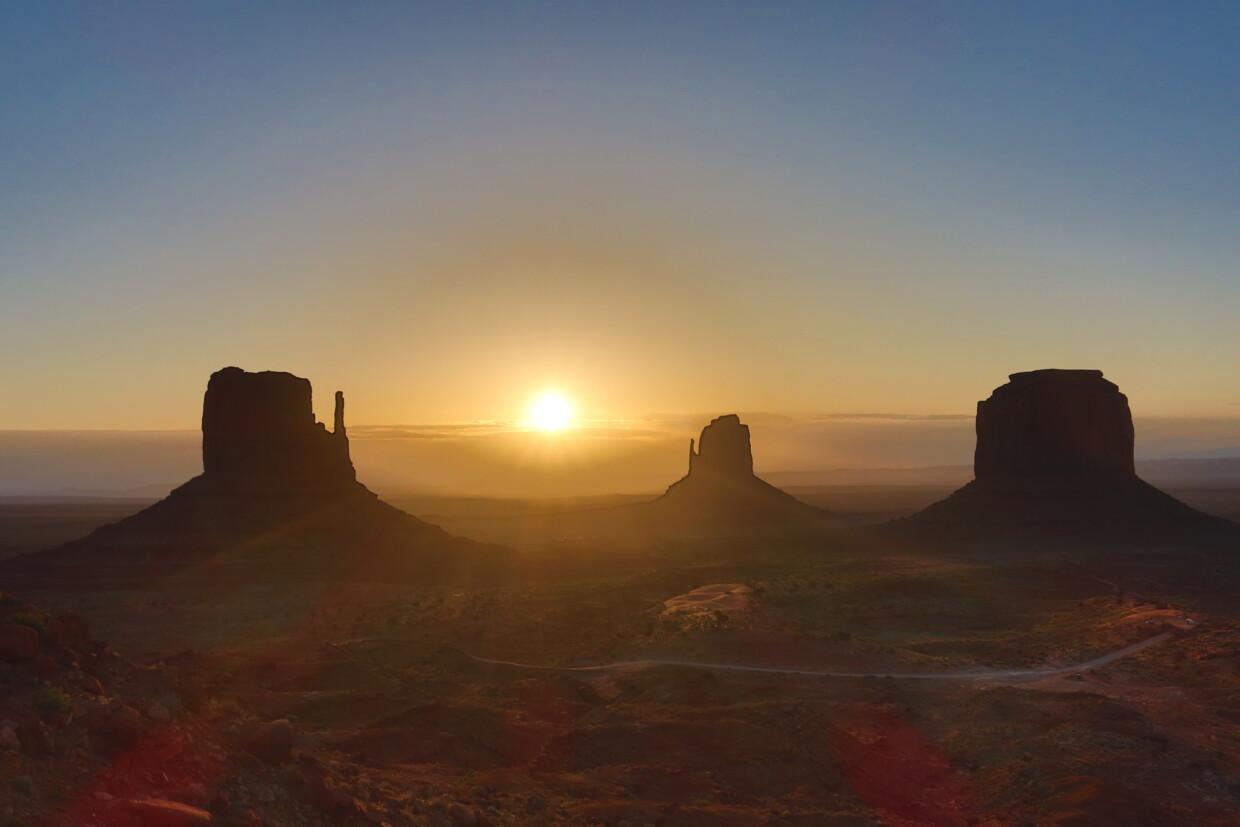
x: 722, y: 489
x: 278, y: 492
x: 1054, y: 458
x: 1054, y: 423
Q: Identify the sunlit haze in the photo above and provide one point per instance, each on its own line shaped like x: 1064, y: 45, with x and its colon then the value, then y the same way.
x: 551, y: 412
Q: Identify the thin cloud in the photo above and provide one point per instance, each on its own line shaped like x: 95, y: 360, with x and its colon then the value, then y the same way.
x: 895, y: 417
x: 591, y: 429
x: 445, y: 430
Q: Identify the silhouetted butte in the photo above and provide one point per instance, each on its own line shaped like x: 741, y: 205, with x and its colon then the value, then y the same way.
x: 1054, y: 459
x: 278, y: 495
x: 721, y: 487
x: 259, y: 434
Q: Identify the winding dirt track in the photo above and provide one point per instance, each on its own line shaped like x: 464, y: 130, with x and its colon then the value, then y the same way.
x: 988, y: 674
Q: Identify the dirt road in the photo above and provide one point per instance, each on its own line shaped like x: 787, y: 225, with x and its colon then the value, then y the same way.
x: 986, y: 674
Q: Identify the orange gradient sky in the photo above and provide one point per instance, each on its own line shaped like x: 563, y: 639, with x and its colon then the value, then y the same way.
x: 795, y: 211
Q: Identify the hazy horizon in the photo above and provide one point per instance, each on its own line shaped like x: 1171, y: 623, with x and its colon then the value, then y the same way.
x: 508, y: 459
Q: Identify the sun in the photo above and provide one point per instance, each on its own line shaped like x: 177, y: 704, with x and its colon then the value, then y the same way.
x: 551, y: 412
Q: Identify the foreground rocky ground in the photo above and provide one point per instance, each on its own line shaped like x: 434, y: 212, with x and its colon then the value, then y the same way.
x: 361, y: 703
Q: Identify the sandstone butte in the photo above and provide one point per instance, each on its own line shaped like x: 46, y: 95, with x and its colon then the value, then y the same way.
x: 721, y: 486
x: 1054, y: 459
x: 278, y: 498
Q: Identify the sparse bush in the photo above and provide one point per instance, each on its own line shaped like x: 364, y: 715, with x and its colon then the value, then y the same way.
x: 51, y: 699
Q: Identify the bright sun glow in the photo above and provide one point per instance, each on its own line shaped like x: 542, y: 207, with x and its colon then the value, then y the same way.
x: 551, y: 412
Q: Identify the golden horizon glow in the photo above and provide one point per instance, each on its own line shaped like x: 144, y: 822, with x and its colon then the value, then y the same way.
x: 551, y: 411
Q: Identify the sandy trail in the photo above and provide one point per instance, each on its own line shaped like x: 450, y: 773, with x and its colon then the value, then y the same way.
x: 987, y: 674
x: 726, y: 597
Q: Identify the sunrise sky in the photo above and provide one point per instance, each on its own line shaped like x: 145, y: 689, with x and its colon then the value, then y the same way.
x: 665, y: 211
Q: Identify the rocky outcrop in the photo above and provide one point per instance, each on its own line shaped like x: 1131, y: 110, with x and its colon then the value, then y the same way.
x: 18, y: 642
x: 77, y: 750
x: 278, y: 497
x: 1054, y: 459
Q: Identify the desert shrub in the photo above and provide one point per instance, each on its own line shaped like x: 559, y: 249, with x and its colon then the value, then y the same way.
x: 48, y: 698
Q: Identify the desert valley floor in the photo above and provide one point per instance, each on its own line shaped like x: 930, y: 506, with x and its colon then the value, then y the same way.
x: 278, y: 703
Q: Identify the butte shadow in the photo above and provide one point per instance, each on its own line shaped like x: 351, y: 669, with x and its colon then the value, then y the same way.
x: 1054, y: 461
x: 278, y: 499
